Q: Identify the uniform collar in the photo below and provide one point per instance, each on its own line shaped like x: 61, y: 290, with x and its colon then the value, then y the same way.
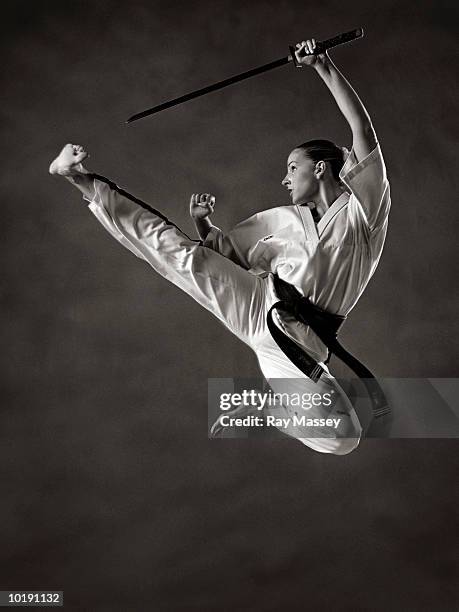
x: 313, y: 231
x: 337, y: 205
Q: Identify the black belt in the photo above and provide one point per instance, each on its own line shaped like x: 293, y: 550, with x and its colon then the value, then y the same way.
x: 326, y: 326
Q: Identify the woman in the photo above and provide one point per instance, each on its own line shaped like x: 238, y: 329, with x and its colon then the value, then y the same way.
x: 326, y: 245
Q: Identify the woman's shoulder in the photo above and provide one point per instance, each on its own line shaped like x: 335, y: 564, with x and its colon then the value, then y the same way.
x: 267, y: 221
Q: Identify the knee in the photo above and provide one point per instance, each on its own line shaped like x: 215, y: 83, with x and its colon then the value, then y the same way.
x: 344, y: 446
x: 338, y: 445
x: 332, y: 446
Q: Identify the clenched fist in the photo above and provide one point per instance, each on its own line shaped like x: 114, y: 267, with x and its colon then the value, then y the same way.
x: 201, y: 205
x: 305, y: 50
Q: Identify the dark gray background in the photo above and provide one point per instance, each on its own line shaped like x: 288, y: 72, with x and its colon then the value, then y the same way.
x: 110, y: 489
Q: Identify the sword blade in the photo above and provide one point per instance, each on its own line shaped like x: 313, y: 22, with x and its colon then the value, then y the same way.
x: 214, y: 87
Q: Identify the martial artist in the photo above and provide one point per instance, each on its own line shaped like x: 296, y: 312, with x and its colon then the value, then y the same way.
x: 325, y: 246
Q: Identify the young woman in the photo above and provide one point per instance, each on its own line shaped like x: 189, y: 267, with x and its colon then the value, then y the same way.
x: 324, y: 246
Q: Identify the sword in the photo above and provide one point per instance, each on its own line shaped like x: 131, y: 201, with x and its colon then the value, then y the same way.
x: 320, y: 48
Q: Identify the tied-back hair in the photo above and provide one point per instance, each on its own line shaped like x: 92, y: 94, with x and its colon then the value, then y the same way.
x: 327, y: 151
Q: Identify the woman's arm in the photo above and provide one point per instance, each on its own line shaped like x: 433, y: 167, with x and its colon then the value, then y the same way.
x: 363, y: 135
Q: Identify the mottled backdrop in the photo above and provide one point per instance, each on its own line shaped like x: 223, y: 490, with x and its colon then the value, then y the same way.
x: 110, y: 489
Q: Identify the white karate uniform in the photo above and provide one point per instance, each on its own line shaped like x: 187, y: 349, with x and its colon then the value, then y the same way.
x: 231, y: 275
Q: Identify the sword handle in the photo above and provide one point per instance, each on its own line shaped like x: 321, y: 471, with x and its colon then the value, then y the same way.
x: 322, y: 46
x: 341, y: 39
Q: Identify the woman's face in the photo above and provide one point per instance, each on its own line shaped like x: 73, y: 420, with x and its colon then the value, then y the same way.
x: 300, y: 179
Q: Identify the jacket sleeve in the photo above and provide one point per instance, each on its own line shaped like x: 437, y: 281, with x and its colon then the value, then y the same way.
x: 367, y: 180
x: 225, y: 245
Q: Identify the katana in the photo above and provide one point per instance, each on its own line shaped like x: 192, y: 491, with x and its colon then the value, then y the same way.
x: 321, y: 47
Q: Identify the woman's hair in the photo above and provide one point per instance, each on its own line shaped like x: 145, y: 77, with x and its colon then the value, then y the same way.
x: 325, y: 150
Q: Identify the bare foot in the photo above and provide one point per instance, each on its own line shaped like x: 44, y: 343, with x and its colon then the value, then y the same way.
x: 68, y: 161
